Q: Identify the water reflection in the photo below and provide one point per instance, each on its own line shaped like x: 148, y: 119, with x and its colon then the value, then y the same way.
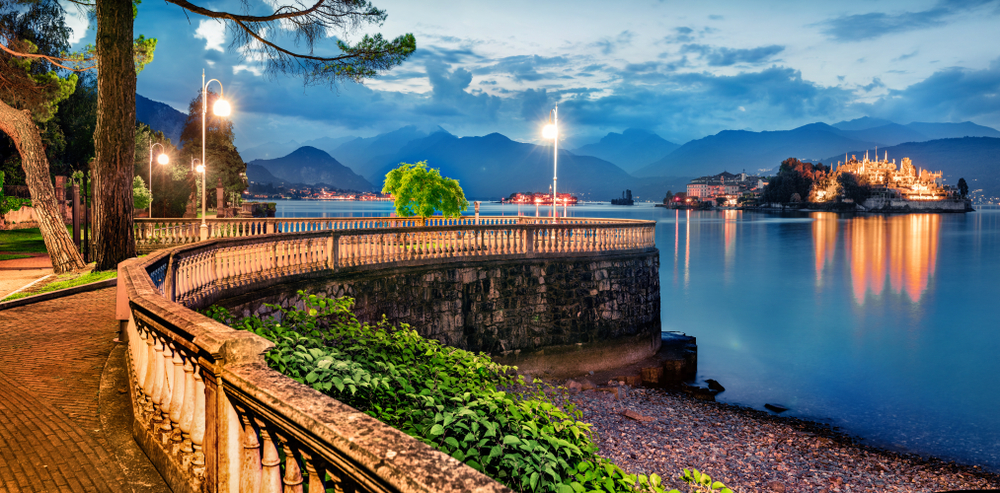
x: 898, y: 250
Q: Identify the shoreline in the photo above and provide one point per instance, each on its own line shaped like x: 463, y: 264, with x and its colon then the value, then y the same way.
x: 755, y: 451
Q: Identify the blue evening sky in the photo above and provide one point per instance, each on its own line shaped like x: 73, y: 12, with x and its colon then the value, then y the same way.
x: 682, y: 69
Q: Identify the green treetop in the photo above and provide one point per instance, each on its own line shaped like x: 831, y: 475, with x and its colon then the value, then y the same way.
x: 420, y: 191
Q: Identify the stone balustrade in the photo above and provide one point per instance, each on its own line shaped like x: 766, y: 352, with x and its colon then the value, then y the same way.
x: 213, y: 417
x: 153, y: 234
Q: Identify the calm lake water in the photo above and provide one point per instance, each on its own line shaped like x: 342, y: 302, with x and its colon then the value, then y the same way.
x: 885, y: 326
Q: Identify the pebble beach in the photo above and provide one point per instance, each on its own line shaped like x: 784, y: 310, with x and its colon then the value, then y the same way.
x: 647, y: 430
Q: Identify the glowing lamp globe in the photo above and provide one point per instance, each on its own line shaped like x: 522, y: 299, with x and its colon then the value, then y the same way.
x: 550, y: 131
x: 221, y: 107
x: 200, y: 168
x: 163, y: 159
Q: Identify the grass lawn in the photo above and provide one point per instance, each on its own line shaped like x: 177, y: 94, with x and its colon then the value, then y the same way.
x: 64, y: 281
x: 12, y: 256
x: 22, y: 241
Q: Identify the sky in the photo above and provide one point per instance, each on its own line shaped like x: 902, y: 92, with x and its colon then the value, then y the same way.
x: 681, y: 69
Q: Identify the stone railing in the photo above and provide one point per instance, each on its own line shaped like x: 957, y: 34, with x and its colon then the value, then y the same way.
x: 154, y: 234
x: 213, y: 417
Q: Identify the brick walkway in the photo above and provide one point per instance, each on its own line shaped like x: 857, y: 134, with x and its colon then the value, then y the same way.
x: 52, y: 355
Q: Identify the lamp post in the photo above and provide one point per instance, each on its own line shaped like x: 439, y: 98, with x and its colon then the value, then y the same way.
x: 551, y: 131
x: 162, y: 159
x: 220, y: 108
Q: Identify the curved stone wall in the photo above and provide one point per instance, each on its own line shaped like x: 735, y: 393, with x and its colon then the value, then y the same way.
x: 551, y: 316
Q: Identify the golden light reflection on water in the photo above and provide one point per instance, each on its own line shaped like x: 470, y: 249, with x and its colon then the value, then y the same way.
x: 898, y: 250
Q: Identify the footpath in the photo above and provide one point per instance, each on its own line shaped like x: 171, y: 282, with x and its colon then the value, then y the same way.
x: 19, y: 272
x: 64, y: 403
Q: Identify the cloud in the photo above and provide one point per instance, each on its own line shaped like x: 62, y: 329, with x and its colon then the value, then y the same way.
x: 680, y: 35
x: 610, y: 45
x: 953, y: 94
x: 724, y: 57
x: 862, y: 27
x: 875, y: 84
x: 449, y: 95
x: 690, y: 105
x: 214, y: 34
x: 523, y: 67
x: 77, y: 22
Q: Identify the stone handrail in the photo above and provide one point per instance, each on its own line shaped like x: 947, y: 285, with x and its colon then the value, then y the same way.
x: 213, y: 417
x: 153, y: 234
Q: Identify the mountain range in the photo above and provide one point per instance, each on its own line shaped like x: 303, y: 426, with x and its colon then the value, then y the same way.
x: 306, y: 165
x: 492, y: 166
x: 160, y: 116
x: 630, y: 150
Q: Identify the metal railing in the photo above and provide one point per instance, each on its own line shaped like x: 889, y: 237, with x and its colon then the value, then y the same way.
x: 213, y: 417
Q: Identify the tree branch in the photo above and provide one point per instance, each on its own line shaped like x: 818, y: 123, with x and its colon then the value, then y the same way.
x: 51, y: 59
x: 277, y: 15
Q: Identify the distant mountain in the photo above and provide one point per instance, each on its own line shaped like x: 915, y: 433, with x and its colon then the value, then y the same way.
x: 630, y: 150
x: 862, y: 123
x: 328, y: 144
x: 310, y: 166
x: 886, y: 135
x: 160, y: 117
x: 269, y: 150
x: 923, y: 131
x: 494, y: 166
x: 935, y: 131
x: 366, y: 155
x: 259, y: 174
x: 736, y: 150
x: 977, y: 159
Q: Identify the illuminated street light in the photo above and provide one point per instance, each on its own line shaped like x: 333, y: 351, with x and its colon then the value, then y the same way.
x: 162, y: 159
x: 220, y: 108
x: 551, y: 131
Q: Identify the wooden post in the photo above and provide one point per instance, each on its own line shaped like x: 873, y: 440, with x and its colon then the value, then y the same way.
x: 76, y: 215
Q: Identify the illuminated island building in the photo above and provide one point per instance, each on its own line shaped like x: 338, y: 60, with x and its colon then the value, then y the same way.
x: 906, y: 182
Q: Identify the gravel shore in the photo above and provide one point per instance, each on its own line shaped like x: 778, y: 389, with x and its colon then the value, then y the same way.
x: 656, y: 431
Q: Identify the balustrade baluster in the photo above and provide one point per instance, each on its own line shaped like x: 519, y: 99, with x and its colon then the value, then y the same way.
x: 250, y: 466
x: 198, y: 423
x: 314, y: 474
x: 187, y: 410
x: 165, y: 393
x: 271, y: 476
x: 157, y: 391
x: 177, y: 396
x: 293, y: 473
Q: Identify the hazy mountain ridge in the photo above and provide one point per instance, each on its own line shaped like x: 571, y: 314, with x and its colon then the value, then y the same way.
x: 310, y: 166
x: 161, y: 117
x: 736, y: 150
x: 493, y: 166
x: 630, y: 150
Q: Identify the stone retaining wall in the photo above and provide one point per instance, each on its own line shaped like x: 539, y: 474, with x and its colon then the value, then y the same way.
x: 607, y: 307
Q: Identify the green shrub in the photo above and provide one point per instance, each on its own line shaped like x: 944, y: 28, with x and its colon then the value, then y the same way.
x: 461, y: 403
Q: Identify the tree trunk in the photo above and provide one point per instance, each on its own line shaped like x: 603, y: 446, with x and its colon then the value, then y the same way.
x: 114, y: 139
x: 24, y: 133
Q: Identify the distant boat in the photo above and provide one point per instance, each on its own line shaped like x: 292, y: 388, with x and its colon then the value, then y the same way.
x: 625, y: 200
x: 541, y: 198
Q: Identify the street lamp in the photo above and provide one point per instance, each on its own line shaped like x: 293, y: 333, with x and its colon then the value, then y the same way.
x: 551, y: 131
x: 220, y: 108
x: 162, y: 159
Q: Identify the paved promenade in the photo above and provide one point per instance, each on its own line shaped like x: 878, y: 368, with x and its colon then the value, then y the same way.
x: 52, y: 357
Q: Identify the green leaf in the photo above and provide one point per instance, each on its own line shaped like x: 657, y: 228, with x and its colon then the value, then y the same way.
x: 437, y: 430
x: 451, y: 441
x: 511, y: 440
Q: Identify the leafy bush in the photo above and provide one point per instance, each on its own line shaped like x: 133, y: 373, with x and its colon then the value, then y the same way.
x: 141, y: 196
x: 8, y: 204
x: 461, y: 403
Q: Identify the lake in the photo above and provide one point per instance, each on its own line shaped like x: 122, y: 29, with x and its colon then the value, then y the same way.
x: 887, y: 327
